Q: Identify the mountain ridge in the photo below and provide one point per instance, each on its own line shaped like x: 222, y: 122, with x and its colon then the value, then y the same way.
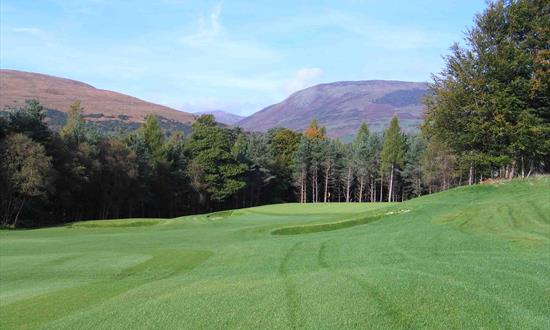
x: 341, y: 106
x: 102, y: 106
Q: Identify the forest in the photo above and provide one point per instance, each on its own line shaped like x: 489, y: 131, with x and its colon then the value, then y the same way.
x: 487, y: 116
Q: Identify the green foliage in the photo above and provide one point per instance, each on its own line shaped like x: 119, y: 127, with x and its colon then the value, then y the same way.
x: 413, y: 169
x: 284, y: 144
x: 393, y: 148
x: 153, y: 139
x: 27, y: 165
x: 221, y: 175
x: 29, y: 120
x: 363, y: 133
x: 75, y: 127
x: 494, y: 87
x: 26, y: 170
x: 118, y: 170
x: 363, y: 151
x: 438, y: 166
x: 530, y: 140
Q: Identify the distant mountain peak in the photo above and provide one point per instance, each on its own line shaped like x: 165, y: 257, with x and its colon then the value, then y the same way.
x: 221, y: 116
x: 342, y: 106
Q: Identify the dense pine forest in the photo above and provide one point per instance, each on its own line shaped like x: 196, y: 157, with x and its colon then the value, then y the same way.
x: 487, y: 116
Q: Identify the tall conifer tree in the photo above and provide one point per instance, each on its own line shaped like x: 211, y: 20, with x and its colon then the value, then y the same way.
x: 392, y: 152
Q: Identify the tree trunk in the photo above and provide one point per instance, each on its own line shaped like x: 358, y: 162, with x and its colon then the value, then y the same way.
x: 512, y: 170
x: 18, y: 212
x: 381, y: 186
x: 471, y: 176
x: 348, y: 183
x: 530, y: 168
x: 391, y: 185
x: 361, y: 183
x: 372, y: 190
x: 302, y: 193
x: 315, y: 185
x: 305, y: 185
x: 327, y: 171
x: 7, y: 214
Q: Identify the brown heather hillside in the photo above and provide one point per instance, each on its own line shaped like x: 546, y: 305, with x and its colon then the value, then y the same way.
x: 342, y: 106
x: 99, y: 105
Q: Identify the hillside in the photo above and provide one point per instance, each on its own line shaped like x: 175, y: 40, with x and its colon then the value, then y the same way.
x: 221, y: 116
x: 469, y: 258
x: 342, y: 106
x: 106, y: 108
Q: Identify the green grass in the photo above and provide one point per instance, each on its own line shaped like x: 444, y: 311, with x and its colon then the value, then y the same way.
x: 471, y: 257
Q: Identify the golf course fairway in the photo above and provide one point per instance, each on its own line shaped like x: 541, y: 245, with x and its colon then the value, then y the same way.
x: 471, y: 257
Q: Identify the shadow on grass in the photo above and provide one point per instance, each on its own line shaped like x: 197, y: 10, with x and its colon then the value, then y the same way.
x: 114, y: 223
x: 308, y: 229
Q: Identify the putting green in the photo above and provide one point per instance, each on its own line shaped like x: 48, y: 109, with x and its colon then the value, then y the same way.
x: 471, y: 257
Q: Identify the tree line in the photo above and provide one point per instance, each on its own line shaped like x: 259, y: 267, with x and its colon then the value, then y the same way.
x: 487, y: 116
x: 50, y: 177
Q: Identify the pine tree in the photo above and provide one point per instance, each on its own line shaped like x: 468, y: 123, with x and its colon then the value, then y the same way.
x: 154, y: 139
x: 392, y: 153
x: 315, y: 136
x: 412, y: 171
x: 283, y: 145
x: 210, y: 147
x: 328, y: 163
x: 361, y: 157
x: 301, y: 165
x: 349, y: 170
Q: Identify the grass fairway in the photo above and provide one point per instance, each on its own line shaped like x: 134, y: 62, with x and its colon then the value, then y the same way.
x: 471, y: 257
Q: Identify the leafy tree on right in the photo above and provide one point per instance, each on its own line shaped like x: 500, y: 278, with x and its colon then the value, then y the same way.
x: 491, y: 103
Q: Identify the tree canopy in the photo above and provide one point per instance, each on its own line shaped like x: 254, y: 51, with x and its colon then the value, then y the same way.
x: 495, y: 87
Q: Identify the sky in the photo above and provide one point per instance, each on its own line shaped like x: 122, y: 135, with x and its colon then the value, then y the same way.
x: 237, y: 56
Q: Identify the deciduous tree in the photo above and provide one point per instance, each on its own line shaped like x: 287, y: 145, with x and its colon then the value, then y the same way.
x: 26, y: 169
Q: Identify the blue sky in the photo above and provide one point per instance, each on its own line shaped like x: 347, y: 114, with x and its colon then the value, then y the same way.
x: 232, y: 55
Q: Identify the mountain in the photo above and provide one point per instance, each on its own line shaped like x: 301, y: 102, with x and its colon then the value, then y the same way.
x: 342, y: 106
x: 107, y: 109
x: 221, y: 116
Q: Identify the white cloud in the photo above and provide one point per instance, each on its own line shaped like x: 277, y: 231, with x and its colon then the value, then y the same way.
x: 215, y: 25
x: 303, y: 78
x: 212, y: 37
x: 209, y: 29
x: 27, y: 30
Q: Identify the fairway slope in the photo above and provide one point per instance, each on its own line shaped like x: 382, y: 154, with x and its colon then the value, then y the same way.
x: 470, y: 257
